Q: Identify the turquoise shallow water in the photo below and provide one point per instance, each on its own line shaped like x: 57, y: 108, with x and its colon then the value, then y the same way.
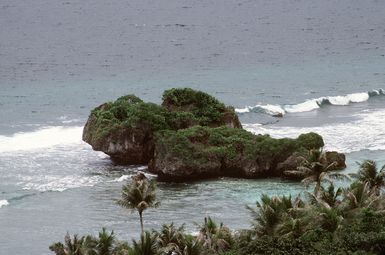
x: 59, y: 59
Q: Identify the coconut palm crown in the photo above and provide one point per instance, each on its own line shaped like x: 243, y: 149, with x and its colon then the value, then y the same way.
x: 313, y: 170
x: 139, y: 194
x: 369, y: 173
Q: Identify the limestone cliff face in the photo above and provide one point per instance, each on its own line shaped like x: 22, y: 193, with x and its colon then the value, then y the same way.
x: 123, y: 145
x: 125, y: 142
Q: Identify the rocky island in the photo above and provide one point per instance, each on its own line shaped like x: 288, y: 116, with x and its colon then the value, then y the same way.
x: 192, y: 135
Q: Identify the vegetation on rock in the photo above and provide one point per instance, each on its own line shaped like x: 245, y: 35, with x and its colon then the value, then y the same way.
x: 191, y: 135
x: 125, y: 128
x: 315, y: 169
x: 206, y: 110
x: 310, y: 141
x: 131, y: 114
x: 199, y: 152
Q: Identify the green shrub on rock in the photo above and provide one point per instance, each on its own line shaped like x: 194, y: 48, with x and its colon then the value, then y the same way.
x: 195, y: 136
x: 199, y: 152
x: 206, y: 109
x: 311, y: 141
x: 125, y: 129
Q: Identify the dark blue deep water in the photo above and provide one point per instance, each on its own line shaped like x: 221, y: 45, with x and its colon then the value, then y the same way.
x: 319, y: 63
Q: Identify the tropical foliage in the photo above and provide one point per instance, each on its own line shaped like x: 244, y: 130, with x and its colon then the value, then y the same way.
x: 139, y: 195
x: 315, y: 170
x: 329, y: 220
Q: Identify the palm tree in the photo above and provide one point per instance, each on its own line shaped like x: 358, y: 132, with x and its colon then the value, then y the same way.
x: 313, y: 171
x: 272, y: 211
x: 192, y: 246
x: 57, y: 248
x: 368, y: 173
x: 213, y: 237
x: 328, y: 219
x: 139, y: 195
x: 326, y: 207
x: 359, y: 195
x: 146, y: 246
x: 171, y: 239
x: 122, y: 248
x: 74, y: 246
x: 292, y: 227
x: 330, y: 195
x: 105, y: 243
x: 325, y: 197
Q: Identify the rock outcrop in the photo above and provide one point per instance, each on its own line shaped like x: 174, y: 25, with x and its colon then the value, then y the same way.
x: 125, y: 129
x: 202, y: 152
x: 299, y: 166
x: 192, y: 135
x: 335, y: 157
x: 292, y: 162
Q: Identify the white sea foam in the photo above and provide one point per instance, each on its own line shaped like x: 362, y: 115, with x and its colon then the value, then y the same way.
x: 358, y: 97
x: 243, y: 110
x: 123, y: 178
x: 365, y: 132
x: 3, y: 203
x: 272, y: 109
x: 140, y: 169
x: 306, y: 106
x: 66, y: 120
x: 268, y: 108
x: 71, y: 121
x: 59, y: 183
x: 41, y: 138
x: 312, y: 104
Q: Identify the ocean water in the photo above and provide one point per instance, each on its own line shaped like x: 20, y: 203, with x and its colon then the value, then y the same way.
x: 321, y: 64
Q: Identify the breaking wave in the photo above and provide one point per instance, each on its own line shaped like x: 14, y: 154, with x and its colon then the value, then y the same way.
x: 312, y: 104
x: 58, y: 183
x: 366, y: 132
x: 41, y: 138
x: 3, y: 203
x: 140, y: 169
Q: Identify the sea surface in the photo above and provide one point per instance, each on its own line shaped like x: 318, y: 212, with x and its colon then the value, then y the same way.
x: 320, y: 64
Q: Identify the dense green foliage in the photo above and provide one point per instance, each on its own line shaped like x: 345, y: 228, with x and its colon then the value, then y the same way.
x: 181, y: 108
x: 311, y: 141
x: 206, y: 109
x: 329, y: 221
x: 120, y: 114
x: 200, y: 147
x: 369, y: 173
x: 314, y: 169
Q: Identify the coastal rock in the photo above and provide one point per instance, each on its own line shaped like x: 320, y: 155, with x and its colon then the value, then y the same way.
x: 202, y: 152
x: 278, y: 115
x: 330, y: 157
x: 192, y: 136
x: 297, y: 167
x: 125, y: 129
x: 290, y: 163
